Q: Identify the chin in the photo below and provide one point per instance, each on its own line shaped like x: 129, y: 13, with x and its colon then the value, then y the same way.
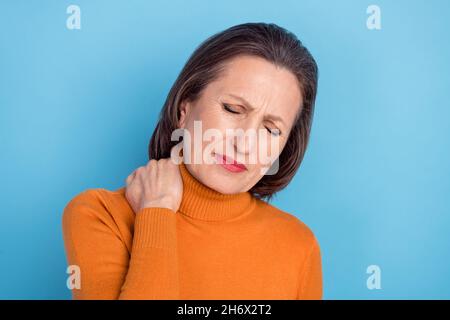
x: 223, y: 183
x: 225, y: 190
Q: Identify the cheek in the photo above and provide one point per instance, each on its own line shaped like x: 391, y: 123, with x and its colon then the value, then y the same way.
x: 269, y: 148
x: 210, y: 116
x: 216, y: 119
x: 204, y: 123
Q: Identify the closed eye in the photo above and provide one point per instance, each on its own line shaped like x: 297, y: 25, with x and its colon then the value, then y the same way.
x: 275, y: 132
x: 229, y: 109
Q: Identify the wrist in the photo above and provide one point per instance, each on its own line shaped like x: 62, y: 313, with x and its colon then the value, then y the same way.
x: 158, y: 204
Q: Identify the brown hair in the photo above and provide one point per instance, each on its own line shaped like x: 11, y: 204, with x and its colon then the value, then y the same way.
x: 269, y: 41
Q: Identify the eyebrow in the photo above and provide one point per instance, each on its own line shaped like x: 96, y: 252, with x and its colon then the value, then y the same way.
x: 270, y: 116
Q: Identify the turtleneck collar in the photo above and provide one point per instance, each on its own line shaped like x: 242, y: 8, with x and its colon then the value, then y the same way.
x: 203, y: 203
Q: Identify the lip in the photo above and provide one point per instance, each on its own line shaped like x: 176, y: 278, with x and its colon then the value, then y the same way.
x: 232, y: 165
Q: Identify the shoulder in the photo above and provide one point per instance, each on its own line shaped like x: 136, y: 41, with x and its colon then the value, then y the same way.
x: 84, y: 206
x: 86, y: 202
x: 97, y: 207
x: 287, y: 225
x: 96, y: 198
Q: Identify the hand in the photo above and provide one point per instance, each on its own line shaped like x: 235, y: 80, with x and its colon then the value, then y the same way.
x: 158, y: 184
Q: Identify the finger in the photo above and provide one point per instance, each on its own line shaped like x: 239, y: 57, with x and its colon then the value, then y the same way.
x: 131, y: 177
x: 176, y: 153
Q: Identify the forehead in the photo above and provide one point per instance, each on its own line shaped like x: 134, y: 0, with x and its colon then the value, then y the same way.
x: 260, y: 82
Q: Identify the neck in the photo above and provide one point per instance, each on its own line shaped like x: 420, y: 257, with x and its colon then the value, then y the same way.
x: 203, y: 203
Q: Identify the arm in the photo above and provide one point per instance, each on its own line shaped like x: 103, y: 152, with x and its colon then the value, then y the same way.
x: 310, y: 287
x: 108, y: 271
x: 153, y: 271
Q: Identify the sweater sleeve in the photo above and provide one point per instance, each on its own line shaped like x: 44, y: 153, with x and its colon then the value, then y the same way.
x: 107, y: 269
x: 310, y: 287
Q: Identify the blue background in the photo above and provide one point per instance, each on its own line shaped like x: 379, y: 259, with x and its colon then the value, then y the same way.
x: 77, y: 108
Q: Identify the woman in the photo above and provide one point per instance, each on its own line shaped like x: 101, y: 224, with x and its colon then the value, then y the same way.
x: 202, y: 229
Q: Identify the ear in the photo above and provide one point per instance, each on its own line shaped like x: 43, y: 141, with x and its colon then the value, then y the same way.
x: 184, y: 112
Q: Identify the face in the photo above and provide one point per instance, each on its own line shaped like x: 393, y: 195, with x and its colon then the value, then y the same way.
x: 252, y: 96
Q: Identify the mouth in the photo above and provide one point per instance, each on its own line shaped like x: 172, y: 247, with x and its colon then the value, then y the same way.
x: 230, y: 164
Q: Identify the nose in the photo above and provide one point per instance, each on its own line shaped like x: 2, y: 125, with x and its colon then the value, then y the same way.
x: 246, y: 138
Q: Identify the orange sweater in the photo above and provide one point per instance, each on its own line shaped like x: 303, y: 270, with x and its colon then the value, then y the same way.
x: 216, y: 246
